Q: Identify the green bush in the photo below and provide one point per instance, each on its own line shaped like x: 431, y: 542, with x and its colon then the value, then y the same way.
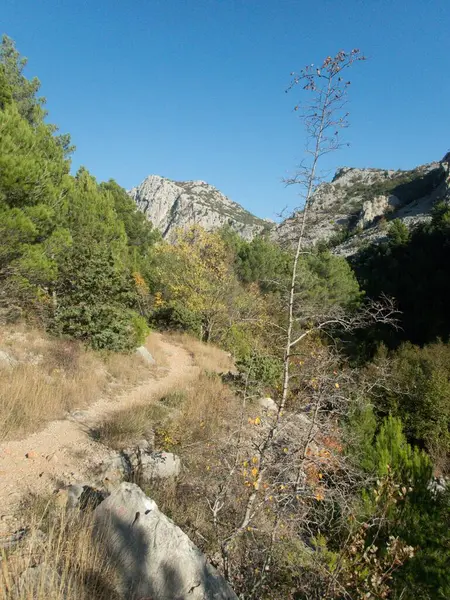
x: 419, y: 394
x: 107, y: 326
x: 263, y: 370
x: 176, y: 317
x: 140, y: 329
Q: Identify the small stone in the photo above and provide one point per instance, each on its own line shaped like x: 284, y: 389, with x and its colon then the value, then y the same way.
x: 52, y: 458
x: 79, y: 415
x: 32, y: 454
x: 145, y: 354
x: 268, y: 404
x: 74, y: 493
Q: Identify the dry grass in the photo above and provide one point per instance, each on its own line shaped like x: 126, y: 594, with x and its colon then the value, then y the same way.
x: 199, y: 412
x: 203, y: 433
x: 32, y: 394
x: 70, y: 564
x: 52, y: 377
x: 206, y: 356
x: 126, y: 427
x: 153, y: 345
x: 126, y: 369
x: 206, y: 411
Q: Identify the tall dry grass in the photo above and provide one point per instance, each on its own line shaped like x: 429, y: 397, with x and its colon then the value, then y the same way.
x: 51, y: 377
x: 127, y: 427
x: 31, y: 394
x: 206, y: 356
x: 59, y: 559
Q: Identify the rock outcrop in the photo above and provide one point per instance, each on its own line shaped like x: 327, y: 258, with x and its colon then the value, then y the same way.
x: 170, y: 204
x: 154, y: 557
x: 353, y: 209
x: 141, y: 463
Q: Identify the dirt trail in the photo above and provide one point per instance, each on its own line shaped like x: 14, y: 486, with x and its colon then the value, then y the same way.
x: 64, y: 452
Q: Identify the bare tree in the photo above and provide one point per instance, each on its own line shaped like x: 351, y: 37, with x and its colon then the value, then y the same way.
x: 324, y: 116
x: 295, y: 455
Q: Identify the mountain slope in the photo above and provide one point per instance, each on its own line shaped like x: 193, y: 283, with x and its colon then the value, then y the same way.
x: 354, y: 208
x: 171, y: 204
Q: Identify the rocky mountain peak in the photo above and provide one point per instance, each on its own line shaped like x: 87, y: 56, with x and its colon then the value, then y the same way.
x: 172, y: 204
x: 355, y: 206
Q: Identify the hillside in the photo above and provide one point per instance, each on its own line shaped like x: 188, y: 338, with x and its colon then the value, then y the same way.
x: 212, y: 416
x: 352, y: 209
x: 170, y: 204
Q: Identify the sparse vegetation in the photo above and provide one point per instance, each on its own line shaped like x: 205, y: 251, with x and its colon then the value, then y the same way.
x: 57, y: 560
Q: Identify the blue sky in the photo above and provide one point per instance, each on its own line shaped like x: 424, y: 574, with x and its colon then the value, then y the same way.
x: 195, y: 89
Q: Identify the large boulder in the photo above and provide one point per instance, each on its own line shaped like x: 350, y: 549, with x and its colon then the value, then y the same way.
x: 154, y: 557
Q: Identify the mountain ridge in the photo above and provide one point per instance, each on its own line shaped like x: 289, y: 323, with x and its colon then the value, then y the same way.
x: 349, y: 211
x: 353, y: 209
x: 171, y: 204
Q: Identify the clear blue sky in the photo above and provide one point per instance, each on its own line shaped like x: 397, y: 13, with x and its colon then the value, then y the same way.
x: 194, y: 89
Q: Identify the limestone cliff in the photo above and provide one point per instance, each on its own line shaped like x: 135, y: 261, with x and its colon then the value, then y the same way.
x: 356, y: 206
x: 171, y: 204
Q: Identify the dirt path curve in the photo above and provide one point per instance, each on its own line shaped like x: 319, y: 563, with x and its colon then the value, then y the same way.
x: 63, y: 452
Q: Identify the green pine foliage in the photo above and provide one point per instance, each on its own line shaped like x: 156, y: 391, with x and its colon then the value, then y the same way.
x: 420, y: 516
x: 412, y: 268
x: 68, y: 245
x: 95, y: 300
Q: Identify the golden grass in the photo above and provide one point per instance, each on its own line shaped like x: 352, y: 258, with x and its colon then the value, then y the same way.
x: 206, y: 412
x: 203, y: 433
x: 153, y: 345
x: 70, y: 564
x: 206, y: 356
x: 31, y: 395
x: 52, y: 377
x: 127, y: 427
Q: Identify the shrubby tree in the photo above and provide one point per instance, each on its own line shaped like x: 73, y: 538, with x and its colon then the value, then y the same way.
x: 71, y: 251
x: 420, y: 515
x: 96, y: 298
x: 33, y: 186
x: 419, y: 394
x: 196, y: 283
x: 23, y: 91
x: 141, y: 235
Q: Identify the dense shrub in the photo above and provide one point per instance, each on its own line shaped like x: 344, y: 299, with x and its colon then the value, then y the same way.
x: 176, y: 317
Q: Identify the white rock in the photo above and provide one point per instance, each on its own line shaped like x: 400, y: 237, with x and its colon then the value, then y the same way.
x: 146, y: 355
x: 171, y: 204
x: 343, y: 203
x: 268, y: 404
x: 144, y: 464
x: 156, y: 559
